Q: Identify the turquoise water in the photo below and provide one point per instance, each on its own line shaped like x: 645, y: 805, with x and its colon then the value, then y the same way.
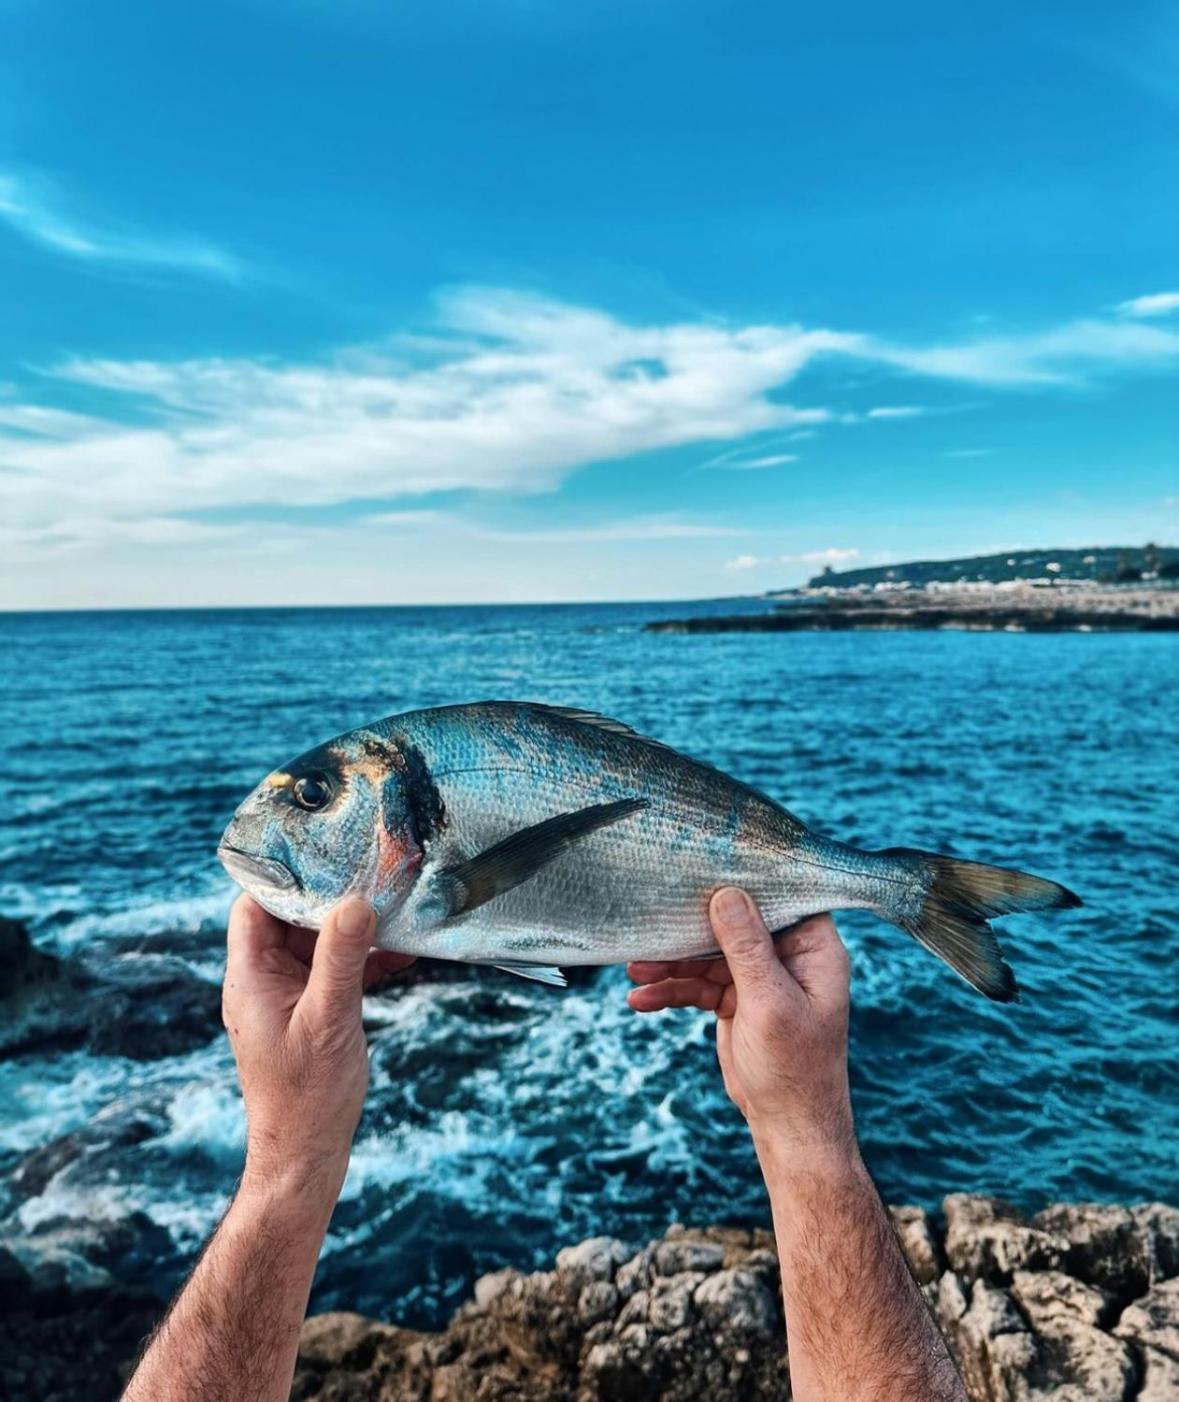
x: 506, y: 1118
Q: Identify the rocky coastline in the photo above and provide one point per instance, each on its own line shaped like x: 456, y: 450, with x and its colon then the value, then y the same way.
x: 1079, y: 1302
x: 1015, y: 608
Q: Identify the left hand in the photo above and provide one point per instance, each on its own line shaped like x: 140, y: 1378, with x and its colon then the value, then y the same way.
x: 292, y: 1007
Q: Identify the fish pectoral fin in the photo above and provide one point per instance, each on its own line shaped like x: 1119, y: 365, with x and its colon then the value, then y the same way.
x: 542, y: 973
x: 479, y: 879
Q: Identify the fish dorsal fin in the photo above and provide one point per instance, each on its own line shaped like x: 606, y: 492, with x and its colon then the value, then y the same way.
x: 540, y: 973
x: 617, y: 727
x: 498, y: 869
x: 601, y: 722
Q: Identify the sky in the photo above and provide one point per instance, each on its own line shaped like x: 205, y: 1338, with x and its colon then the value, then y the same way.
x: 379, y: 301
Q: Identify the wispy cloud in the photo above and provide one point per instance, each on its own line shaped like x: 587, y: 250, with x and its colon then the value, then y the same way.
x: 831, y: 556
x: 507, y: 393
x: 1154, y: 304
x: 739, y: 464
x: 969, y: 452
x: 31, y: 209
x: 1057, y: 356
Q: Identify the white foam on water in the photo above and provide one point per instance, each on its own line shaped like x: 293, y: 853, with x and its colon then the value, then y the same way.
x: 191, y: 911
x: 207, y: 1115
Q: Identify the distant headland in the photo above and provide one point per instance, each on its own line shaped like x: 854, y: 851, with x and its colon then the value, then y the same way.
x: 1108, y: 588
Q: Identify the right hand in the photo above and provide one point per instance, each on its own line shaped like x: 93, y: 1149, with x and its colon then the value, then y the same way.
x: 782, y: 1016
x: 292, y: 1007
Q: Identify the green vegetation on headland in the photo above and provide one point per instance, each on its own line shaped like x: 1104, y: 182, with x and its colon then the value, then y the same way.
x: 1103, y: 564
x: 1103, y: 589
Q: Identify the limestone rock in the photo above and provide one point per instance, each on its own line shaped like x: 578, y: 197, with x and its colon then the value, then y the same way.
x: 1153, y: 1321
x: 987, y: 1239
x: 915, y: 1234
x: 684, y: 1254
x: 1105, y: 1245
x: 1160, y: 1377
x: 1159, y: 1224
x: 595, y: 1259
x: 738, y: 1300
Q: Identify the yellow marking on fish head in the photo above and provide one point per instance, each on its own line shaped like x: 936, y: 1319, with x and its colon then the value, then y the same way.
x: 278, y: 780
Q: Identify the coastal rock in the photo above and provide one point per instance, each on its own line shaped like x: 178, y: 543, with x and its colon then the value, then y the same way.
x: 988, y: 1239
x: 1027, y: 1306
x: 62, y: 1345
x: 1159, y: 1224
x: 1153, y: 1321
x: 44, y: 1000
x: 142, y: 1008
x: 671, y: 1320
x: 918, y: 1242
x: 595, y: 1259
x: 1106, y: 1246
x: 124, y: 1122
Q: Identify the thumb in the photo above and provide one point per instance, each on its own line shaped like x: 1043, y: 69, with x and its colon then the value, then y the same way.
x: 742, y: 935
x: 337, y: 966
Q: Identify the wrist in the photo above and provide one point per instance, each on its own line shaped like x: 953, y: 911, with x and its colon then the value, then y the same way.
x: 307, y: 1183
x: 788, y: 1157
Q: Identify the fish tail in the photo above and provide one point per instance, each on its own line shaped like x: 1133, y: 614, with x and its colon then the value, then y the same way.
x: 946, y: 904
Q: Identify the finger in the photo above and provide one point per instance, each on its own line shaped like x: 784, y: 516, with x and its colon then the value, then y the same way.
x: 341, y: 952
x: 301, y: 942
x: 817, y: 960
x: 251, y: 931
x: 383, y: 962
x: 676, y: 993
x: 748, y: 948
x: 651, y: 971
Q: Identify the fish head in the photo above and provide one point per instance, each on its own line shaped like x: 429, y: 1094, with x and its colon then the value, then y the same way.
x: 334, y: 822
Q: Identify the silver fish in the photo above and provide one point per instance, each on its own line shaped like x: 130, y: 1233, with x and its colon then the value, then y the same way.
x: 530, y: 836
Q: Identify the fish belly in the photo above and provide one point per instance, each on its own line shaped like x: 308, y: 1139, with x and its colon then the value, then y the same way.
x: 636, y: 890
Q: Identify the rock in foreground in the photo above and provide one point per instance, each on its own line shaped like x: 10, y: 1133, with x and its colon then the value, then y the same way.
x: 1079, y: 1304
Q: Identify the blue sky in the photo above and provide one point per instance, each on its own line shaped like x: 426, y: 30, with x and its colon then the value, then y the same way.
x: 368, y: 302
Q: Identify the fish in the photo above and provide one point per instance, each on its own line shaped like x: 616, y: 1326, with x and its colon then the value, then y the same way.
x: 533, y: 838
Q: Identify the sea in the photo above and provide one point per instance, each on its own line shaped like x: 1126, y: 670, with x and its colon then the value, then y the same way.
x: 506, y: 1118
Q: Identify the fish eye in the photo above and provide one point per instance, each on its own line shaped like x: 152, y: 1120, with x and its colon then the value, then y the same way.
x: 313, y: 792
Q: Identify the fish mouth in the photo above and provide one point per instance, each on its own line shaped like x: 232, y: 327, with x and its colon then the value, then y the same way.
x: 249, y: 869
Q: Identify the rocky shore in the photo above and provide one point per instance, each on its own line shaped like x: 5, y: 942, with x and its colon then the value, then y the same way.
x: 1021, y: 608
x: 1079, y: 1303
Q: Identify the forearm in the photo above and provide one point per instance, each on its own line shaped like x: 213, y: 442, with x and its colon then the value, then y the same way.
x: 857, y: 1326
x: 234, y: 1328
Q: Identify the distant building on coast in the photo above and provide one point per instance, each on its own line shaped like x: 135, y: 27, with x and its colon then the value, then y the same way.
x: 1103, y: 564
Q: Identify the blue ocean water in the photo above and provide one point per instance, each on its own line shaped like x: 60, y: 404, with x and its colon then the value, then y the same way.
x: 506, y: 1118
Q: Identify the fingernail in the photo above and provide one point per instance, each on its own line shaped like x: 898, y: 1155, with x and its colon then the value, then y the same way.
x: 354, y: 918
x: 731, y: 905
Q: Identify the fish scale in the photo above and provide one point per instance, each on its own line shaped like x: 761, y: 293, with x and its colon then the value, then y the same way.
x: 531, y: 836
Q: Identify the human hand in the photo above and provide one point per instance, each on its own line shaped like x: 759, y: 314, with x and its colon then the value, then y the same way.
x: 781, y: 1035
x: 292, y: 1007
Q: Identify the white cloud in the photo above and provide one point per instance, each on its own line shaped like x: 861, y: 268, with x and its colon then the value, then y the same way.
x: 1057, y: 356
x: 831, y: 556
x: 1154, y: 304
x: 30, y: 208
x: 508, y: 393
x: 771, y: 460
x: 898, y: 411
x: 530, y: 391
